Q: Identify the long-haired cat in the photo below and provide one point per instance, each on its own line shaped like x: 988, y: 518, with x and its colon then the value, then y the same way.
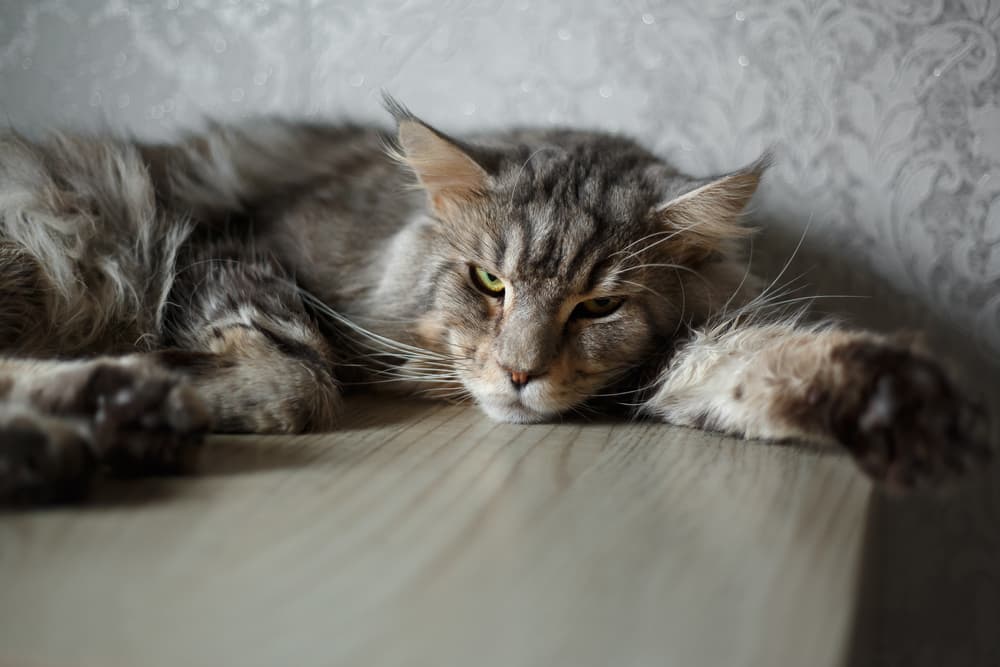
x: 241, y: 279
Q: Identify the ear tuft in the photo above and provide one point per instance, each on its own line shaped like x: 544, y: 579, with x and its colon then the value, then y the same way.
x: 396, y: 108
x: 709, y: 215
x: 442, y: 166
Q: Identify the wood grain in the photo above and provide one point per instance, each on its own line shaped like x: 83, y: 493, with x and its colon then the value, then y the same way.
x: 425, y: 534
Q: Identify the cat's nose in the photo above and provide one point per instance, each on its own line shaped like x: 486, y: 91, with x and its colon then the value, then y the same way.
x: 519, y: 378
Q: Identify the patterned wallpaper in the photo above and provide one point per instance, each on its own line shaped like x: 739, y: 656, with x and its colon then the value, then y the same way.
x: 884, y: 116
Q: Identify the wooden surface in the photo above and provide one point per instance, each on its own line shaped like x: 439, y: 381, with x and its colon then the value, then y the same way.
x: 425, y: 534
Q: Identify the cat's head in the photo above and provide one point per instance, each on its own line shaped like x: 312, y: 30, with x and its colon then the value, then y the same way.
x: 564, y: 260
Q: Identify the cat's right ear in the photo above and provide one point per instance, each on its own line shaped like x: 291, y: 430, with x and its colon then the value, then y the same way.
x: 708, y: 214
x: 443, y: 166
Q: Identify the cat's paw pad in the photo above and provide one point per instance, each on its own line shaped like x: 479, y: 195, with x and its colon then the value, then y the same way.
x: 42, y: 458
x: 145, y: 420
x: 906, y: 424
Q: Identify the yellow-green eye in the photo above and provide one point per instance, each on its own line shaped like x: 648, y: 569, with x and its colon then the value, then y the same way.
x: 598, y: 307
x: 487, y: 282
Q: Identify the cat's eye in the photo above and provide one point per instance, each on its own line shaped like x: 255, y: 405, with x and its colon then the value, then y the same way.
x: 599, y: 307
x: 486, y: 281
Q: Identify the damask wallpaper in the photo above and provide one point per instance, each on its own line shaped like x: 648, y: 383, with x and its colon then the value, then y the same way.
x: 884, y: 115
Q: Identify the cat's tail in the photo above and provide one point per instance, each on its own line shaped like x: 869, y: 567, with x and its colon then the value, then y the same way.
x: 85, y: 253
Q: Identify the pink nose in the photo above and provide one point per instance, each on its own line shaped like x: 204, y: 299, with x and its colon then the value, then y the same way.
x: 519, y: 378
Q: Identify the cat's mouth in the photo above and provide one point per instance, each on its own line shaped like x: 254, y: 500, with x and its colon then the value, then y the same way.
x: 512, y: 410
x: 540, y: 400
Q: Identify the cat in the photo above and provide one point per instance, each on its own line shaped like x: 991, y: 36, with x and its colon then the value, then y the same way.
x: 241, y: 279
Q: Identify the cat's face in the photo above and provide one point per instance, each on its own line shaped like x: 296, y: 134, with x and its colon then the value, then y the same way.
x: 561, y: 267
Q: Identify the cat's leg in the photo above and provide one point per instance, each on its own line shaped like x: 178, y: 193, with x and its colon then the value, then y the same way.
x: 244, y: 356
x: 61, y: 421
x: 249, y: 371
x: 890, y: 405
x: 240, y: 333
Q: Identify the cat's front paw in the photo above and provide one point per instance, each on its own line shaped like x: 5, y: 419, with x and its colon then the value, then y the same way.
x: 128, y: 416
x: 43, y: 458
x: 145, y: 420
x: 902, y: 419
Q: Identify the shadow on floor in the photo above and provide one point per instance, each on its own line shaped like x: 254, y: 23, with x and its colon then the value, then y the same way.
x: 930, y: 577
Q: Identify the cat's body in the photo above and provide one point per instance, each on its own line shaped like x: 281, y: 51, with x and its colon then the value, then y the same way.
x: 240, y: 279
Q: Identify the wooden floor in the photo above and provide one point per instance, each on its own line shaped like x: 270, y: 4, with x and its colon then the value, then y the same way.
x: 425, y: 534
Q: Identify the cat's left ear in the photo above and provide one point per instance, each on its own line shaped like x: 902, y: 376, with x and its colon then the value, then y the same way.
x: 445, y: 168
x: 708, y: 214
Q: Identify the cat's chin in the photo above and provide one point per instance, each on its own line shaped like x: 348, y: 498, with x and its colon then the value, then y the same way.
x: 512, y: 413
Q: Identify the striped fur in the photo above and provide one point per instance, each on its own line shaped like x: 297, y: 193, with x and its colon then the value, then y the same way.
x: 239, y: 278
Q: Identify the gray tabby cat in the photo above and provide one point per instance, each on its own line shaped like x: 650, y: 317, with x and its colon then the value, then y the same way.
x: 239, y: 279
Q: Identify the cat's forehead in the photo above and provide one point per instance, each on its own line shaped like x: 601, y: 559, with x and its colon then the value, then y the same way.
x: 569, y: 217
x: 562, y: 203
x: 605, y: 178
x: 553, y: 243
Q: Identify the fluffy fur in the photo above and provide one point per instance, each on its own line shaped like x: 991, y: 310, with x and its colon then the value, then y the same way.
x: 241, y: 278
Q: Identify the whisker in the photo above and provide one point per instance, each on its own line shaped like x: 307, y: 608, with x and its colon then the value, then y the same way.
x: 669, y: 234
x: 647, y: 288
x: 410, y: 350
x: 743, y: 280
